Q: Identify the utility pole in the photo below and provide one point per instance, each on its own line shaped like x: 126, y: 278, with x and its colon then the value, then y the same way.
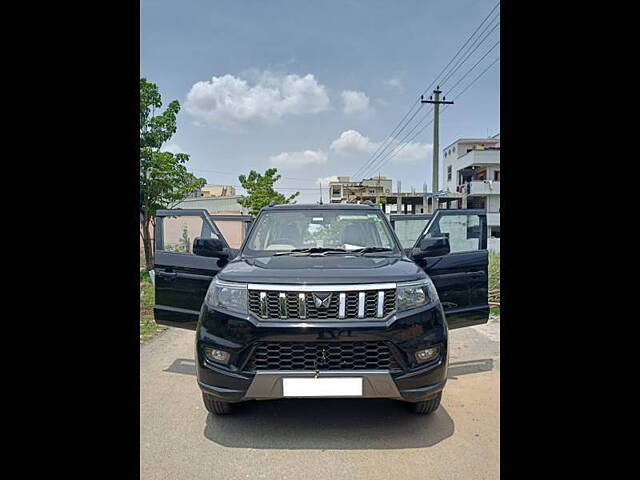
x: 436, y: 131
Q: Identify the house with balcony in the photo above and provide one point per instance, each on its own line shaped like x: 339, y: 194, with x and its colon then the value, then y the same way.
x: 472, y: 167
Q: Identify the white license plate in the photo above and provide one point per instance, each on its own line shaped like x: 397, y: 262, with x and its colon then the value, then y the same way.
x: 322, y: 387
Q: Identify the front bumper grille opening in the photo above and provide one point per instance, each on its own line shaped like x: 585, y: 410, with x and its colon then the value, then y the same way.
x: 322, y: 356
x: 274, y: 309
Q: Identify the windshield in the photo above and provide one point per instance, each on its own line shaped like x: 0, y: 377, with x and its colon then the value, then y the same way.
x: 320, y: 230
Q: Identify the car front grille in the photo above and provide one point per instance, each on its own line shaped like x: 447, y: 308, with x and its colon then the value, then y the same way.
x: 322, y: 356
x: 293, y: 305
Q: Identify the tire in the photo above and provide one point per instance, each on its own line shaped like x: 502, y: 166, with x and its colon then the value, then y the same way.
x: 216, y: 406
x: 428, y: 406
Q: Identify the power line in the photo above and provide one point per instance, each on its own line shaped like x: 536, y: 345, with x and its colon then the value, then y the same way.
x: 471, y: 69
x: 461, y: 48
x: 400, y: 143
x: 443, y: 110
x: 236, y: 174
x: 474, y: 80
x: 375, y: 157
x: 384, y: 145
x: 470, y: 52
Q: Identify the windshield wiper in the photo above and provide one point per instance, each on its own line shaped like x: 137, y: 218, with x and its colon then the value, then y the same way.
x: 308, y: 251
x: 362, y: 251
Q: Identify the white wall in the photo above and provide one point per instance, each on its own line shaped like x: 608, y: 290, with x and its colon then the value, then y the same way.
x: 493, y: 203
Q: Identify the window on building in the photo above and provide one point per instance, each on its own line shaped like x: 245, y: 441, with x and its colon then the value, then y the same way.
x: 496, y: 175
x: 449, y: 170
x: 454, y: 149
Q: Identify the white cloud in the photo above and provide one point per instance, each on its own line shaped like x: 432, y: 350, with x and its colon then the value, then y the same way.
x: 393, y: 82
x: 354, y: 102
x: 352, y: 141
x: 173, y: 148
x: 326, y: 180
x: 411, y: 152
x: 299, y: 159
x: 228, y: 100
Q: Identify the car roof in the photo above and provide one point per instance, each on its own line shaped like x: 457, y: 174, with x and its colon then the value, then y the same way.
x: 325, y: 206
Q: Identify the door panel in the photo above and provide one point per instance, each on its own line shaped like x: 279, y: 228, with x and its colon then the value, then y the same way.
x: 460, y: 277
x: 182, y: 278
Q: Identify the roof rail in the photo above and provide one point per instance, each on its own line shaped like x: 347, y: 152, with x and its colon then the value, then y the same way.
x: 272, y: 203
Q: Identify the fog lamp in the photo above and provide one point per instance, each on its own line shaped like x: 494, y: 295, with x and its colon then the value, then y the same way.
x: 427, y: 354
x: 219, y: 356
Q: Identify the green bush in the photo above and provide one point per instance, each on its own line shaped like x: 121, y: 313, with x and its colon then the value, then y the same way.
x: 494, y: 282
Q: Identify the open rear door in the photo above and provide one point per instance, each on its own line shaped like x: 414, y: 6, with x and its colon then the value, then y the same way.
x: 461, y: 277
x: 182, y: 278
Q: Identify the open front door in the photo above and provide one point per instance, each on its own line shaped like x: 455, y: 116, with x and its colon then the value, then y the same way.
x: 461, y: 276
x: 182, y: 278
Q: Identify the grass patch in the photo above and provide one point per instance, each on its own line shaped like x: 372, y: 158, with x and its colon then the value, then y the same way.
x: 148, y: 326
x: 494, y: 282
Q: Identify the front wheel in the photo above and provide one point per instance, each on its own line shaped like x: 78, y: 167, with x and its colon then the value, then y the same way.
x: 216, y: 406
x: 428, y: 406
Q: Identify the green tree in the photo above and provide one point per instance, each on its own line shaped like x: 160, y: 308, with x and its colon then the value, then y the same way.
x: 164, y: 179
x: 260, y: 190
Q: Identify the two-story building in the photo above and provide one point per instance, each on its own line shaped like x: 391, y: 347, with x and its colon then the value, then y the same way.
x: 347, y: 191
x: 472, y: 167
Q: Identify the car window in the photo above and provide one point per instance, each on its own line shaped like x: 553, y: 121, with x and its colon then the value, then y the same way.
x: 179, y: 232
x: 408, y: 230
x: 463, y: 231
x: 283, y: 231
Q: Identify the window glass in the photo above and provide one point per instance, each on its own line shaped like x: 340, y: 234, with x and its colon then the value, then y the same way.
x: 178, y: 232
x: 463, y: 231
x: 288, y: 230
x: 233, y: 231
x: 409, y: 230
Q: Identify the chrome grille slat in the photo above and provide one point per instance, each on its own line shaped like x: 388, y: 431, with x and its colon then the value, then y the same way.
x: 361, y: 304
x: 348, y: 304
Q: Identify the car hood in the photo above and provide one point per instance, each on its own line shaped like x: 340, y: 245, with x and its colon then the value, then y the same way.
x: 318, y: 270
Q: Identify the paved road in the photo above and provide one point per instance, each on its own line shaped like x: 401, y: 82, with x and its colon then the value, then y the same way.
x: 320, y: 439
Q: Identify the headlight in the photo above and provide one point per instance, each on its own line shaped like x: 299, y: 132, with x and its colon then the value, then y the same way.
x: 412, y: 294
x: 227, y: 295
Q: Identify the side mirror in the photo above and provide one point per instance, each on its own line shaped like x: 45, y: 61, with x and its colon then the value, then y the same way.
x: 432, y: 247
x: 209, y: 247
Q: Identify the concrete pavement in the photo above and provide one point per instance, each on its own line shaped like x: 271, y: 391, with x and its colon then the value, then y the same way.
x: 320, y: 439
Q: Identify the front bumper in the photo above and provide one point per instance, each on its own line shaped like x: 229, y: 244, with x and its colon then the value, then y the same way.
x: 405, y: 333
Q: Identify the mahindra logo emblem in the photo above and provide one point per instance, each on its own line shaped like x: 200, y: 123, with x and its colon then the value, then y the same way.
x: 322, y: 300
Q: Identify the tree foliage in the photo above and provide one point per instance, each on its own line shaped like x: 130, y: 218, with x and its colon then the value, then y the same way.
x: 164, y: 179
x: 260, y: 191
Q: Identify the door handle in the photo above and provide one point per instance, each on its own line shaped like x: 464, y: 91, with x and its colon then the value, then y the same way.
x: 168, y: 275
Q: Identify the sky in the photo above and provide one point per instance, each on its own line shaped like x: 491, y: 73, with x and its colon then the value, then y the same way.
x: 314, y: 88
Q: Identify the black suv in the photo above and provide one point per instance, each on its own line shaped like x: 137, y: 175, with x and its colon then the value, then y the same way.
x: 320, y: 301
